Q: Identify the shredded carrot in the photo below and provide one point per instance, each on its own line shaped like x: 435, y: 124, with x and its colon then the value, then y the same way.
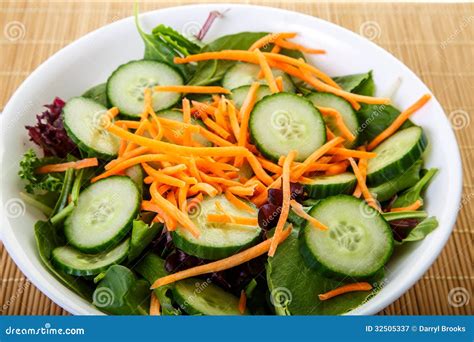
x: 285, y: 208
x: 363, y: 187
x: 336, y: 168
x: 242, y: 302
x: 238, y: 203
x: 268, y: 165
x: 203, y: 187
x: 226, y: 218
x: 294, y: 46
x: 223, y: 264
x: 267, y: 72
x: 182, y: 198
x: 192, y: 89
x: 234, y: 122
x: 330, y: 135
x: 173, y: 211
x: 412, y: 207
x: 345, y: 289
x: 351, y: 153
x: 398, y: 122
x: 247, y: 107
x: 216, y: 128
x: 241, y: 190
x: 171, y: 170
x: 279, y: 83
x: 271, y: 38
x: 363, y: 170
x: 154, y: 305
x: 80, y: 164
x: 298, y: 210
x: 345, y: 131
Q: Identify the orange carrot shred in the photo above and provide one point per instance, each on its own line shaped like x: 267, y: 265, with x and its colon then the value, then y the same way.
x: 226, y: 218
x: 154, y: 305
x: 80, y: 164
x: 242, y: 302
x: 398, y: 122
x: 414, y: 206
x: 363, y: 286
x: 294, y: 46
x: 238, y: 203
x: 223, y: 264
x: 298, y: 210
x: 267, y: 72
x: 363, y: 187
x: 192, y: 89
x: 271, y: 38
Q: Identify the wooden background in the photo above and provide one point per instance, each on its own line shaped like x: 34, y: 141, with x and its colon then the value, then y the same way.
x: 434, y: 40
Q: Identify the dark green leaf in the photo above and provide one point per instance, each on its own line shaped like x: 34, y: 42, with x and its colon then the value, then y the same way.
x: 98, y: 93
x: 48, y: 238
x: 413, y: 194
x: 387, y: 190
x: 177, y: 40
x: 374, y: 119
x: 362, y: 84
x: 159, y: 50
x: 402, y: 215
x: 289, y: 278
x: 142, y: 235
x: 120, y: 293
x: 151, y: 268
x: 421, y: 230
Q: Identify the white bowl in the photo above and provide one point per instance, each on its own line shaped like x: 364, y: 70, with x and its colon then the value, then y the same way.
x: 91, y: 59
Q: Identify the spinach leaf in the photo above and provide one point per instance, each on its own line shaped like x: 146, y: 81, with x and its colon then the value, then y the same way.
x: 120, y: 293
x: 151, y: 268
x: 362, y: 84
x: 387, y: 190
x: 48, y: 238
x: 294, y: 287
x: 177, y: 40
x: 421, y: 230
x: 403, y: 215
x: 212, y: 71
x: 374, y: 119
x: 98, y: 93
x: 414, y: 193
x: 142, y: 235
x: 160, y: 50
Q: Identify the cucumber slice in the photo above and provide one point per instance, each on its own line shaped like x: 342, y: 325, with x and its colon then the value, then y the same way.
x: 126, y: 86
x: 395, y: 155
x: 283, y: 122
x: 103, y: 215
x: 217, y: 240
x: 176, y: 115
x: 358, y: 243
x: 343, y: 107
x: 324, y: 186
x: 82, y: 118
x: 72, y: 261
x: 239, y: 94
x: 241, y: 74
x: 198, y: 297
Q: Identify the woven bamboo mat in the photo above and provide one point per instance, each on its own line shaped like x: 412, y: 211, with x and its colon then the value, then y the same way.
x: 434, y: 40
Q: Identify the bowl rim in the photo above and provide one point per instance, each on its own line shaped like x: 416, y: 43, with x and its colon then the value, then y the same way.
x: 373, y: 306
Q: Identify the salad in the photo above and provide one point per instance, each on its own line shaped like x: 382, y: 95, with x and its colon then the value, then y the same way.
x: 231, y: 177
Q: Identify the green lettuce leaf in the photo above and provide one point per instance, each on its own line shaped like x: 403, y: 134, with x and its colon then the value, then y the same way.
x: 362, y: 84
x: 142, y: 235
x: 421, y: 230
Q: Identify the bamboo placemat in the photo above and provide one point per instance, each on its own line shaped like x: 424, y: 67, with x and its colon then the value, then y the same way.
x: 434, y: 40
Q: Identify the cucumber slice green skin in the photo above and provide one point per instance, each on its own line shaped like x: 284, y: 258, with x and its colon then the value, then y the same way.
x: 146, y: 73
x: 87, y: 122
x: 200, y: 297
x: 283, y: 122
x: 72, y: 261
x: 241, y: 74
x: 400, y: 165
x: 352, y: 258
x: 239, y: 94
x: 76, y: 223
x: 325, y: 186
x: 217, y: 241
x: 348, y: 114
